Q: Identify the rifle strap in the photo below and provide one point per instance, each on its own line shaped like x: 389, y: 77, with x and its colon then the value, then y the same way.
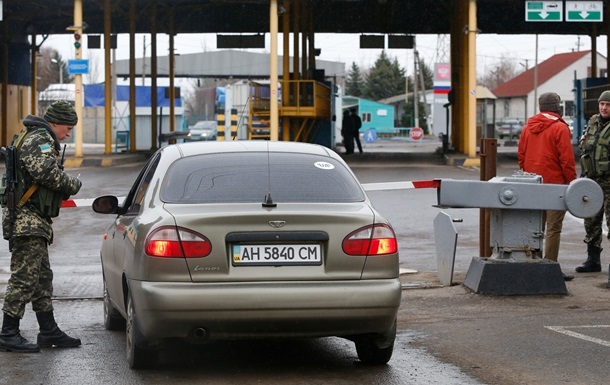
x: 33, y: 187
x: 27, y: 195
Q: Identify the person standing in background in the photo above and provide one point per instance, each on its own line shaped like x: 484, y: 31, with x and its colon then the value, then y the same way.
x: 347, y: 131
x: 545, y: 149
x: 357, y: 125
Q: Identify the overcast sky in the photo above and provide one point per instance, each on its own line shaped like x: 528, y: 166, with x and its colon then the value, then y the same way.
x: 345, y: 48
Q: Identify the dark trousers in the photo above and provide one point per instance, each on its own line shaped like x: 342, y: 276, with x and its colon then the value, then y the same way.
x: 348, y: 142
x: 357, y: 137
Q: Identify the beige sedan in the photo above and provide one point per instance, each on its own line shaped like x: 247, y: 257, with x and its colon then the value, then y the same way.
x: 248, y: 239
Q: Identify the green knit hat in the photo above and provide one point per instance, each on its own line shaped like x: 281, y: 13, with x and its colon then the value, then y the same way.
x: 604, y: 97
x: 61, y: 112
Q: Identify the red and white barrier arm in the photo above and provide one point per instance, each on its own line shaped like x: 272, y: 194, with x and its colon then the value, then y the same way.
x: 87, y: 202
x: 432, y: 183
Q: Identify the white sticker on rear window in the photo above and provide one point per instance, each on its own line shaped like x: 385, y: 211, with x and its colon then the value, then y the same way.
x: 324, y: 165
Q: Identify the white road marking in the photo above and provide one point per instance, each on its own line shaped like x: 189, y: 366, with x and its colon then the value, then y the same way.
x: 564, y: 330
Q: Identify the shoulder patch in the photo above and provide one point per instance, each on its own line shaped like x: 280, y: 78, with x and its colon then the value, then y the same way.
x: 45, y: 148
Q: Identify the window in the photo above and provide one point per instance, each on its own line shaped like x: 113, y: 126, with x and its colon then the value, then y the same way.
x: 137, y: 193
x: 366, y: 117
x: 251, y: 176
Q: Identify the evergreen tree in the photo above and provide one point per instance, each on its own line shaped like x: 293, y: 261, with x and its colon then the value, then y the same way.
x: 355, y: 82
x: 385, y: 79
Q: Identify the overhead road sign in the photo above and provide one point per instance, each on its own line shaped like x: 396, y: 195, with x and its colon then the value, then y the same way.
x: 543, y: 11
x: 591, y: 11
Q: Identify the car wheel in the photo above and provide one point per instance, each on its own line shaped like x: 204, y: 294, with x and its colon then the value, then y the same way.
x: 376, y: 349
x: 113, y: 320
x: 137, y: 357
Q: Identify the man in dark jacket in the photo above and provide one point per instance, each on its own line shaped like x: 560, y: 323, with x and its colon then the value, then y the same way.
x: 545, y: 149
x: 347, y: 131
x: 44, y: 185
x: 357, y: 125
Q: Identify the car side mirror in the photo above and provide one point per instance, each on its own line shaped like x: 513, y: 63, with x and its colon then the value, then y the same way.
x: 107, y: 204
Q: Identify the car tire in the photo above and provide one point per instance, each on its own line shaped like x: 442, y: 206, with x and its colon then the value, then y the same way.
x: 113, y: 320
x: 369, y: 350
x: 137, y: 356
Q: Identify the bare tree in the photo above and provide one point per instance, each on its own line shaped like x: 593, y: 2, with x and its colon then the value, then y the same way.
x: 51, y: 68
x: 94, y: 68
x: 504, y: 70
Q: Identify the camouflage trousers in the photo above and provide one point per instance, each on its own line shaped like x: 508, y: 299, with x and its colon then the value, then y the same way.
x: 31, y: 277
x: 593, y: 225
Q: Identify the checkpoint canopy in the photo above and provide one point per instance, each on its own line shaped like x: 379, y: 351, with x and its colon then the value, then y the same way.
x: 95, y: 97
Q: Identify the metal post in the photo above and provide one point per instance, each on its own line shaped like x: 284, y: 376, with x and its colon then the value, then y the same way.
x: 489, y: 151
x: 274, y: 118
x: 78, y: 81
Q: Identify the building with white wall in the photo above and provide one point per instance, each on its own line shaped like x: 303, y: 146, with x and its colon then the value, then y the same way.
x: 516, y: 98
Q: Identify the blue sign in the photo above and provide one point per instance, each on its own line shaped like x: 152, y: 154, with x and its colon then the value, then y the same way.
x: 370, y: 136
x: 78, y: 67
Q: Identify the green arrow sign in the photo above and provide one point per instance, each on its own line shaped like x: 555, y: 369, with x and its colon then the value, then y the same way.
x: 543, y: 11
x: 584, y: 11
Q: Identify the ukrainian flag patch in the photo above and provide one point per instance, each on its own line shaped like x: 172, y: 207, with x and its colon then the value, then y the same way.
x: 44, y: 148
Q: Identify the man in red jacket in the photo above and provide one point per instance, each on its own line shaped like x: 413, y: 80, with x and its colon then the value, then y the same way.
x: 545, y: 148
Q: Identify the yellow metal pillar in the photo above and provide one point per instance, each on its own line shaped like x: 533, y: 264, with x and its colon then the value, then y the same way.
x: 463, y: 79
x: 107, y: 79
x: 78, y: 82
x: 274, y: 117
x: 286, y: 67
x: 471, y: 79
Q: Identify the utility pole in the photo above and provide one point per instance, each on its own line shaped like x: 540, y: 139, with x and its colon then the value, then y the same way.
x: 78, y: 79
x: 415, y: 94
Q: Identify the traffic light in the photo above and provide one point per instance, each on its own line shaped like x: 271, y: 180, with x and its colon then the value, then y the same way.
x: 77, y: 42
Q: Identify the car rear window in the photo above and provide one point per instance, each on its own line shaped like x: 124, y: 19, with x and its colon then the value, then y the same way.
x: 249, y: 177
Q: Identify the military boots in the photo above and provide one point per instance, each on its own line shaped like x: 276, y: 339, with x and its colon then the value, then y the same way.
x: 592, y: 264
x: 11, y: 339
x: 50, y: 335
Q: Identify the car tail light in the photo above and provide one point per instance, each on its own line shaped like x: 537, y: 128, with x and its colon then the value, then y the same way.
x: 371, y: 240
x: 176, y: 242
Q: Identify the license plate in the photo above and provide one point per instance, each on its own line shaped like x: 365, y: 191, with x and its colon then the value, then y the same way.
x: 306, y: 254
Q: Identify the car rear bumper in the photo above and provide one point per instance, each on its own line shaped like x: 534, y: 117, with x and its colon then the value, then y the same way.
x: 269, y: 309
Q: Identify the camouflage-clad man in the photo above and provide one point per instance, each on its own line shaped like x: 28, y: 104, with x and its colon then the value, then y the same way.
x: 595, y: 163
x: 31, y: 280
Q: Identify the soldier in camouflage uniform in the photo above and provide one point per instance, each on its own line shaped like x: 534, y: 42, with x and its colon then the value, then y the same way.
x: 31, y: 279
x: 595, y: 163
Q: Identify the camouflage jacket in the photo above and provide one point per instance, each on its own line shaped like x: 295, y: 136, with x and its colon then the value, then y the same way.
x: 38, y: 162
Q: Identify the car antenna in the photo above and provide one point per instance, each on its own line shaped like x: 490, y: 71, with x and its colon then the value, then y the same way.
x: 240, y: 118
x: 268, y: 200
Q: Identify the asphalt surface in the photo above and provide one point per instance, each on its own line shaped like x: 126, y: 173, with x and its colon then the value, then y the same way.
x: 538, y: 339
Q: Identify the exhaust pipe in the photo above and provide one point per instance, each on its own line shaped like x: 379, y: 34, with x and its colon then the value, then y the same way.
x: 200, y: 333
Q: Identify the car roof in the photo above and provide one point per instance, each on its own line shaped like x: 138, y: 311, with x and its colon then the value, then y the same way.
x: 195, y: 148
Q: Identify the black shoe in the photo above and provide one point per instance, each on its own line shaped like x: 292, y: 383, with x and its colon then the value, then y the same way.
x: 568, y: 277
x: 11, y: 339
x: 51, y: 335
x: 17, y: 344
x: 589, y: 267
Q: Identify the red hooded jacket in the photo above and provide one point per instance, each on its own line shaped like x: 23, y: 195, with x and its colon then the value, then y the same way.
x: 545, y: 148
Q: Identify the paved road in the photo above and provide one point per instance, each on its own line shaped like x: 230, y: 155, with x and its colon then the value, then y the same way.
x: 448, y: 335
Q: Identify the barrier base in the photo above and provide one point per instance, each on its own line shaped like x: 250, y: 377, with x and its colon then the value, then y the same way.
x: 502, y: 277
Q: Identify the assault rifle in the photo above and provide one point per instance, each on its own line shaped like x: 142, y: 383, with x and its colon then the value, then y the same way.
x: 10, y: 158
